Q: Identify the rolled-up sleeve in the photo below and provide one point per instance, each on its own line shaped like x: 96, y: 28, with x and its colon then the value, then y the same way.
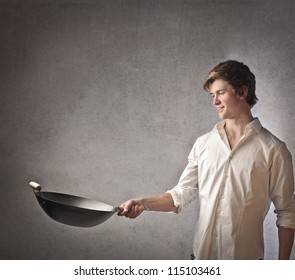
x: 282, y: 188
x: 186, y: 189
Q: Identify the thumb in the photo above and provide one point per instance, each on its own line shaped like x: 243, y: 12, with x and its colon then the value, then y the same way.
x: 124, y: 208
x: 127, y: 205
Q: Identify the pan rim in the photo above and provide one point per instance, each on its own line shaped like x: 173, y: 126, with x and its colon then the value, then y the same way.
x: 112, y: 209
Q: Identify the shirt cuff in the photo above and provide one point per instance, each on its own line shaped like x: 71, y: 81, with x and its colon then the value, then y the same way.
x: 176, y: 200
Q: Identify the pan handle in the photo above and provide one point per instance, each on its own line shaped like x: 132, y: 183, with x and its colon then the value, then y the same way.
x: 35, y: 186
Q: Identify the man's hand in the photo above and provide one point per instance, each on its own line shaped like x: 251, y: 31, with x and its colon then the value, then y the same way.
x: 131, y: 208
x: 286, y: 240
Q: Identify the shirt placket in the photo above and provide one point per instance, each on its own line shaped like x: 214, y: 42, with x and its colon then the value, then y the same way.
x: 221, y: 229
x: 217, y: 243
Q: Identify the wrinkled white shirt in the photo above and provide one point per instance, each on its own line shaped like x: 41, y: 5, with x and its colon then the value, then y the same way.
x: 236, y: 187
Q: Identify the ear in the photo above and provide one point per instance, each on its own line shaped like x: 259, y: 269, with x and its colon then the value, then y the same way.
x: 243, y: 93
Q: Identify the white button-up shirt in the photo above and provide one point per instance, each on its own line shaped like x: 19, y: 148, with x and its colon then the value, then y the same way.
x: 236, y: 187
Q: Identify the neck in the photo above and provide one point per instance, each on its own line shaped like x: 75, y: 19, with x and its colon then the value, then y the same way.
x: 238, y: 124
x: 235, y: 128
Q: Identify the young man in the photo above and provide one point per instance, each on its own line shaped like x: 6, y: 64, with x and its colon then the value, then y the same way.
x: 238, y: 168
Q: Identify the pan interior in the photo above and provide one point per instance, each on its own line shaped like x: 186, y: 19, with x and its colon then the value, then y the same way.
x: 76, y: 201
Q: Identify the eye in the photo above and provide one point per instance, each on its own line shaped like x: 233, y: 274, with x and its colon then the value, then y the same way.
x: 221, y: 92
x: 218, y: 93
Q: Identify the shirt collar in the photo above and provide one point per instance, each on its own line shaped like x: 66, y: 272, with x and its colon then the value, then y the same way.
x: 255, y: 124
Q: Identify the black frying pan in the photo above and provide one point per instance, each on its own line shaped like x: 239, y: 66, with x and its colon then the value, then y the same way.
x: 73, y: 210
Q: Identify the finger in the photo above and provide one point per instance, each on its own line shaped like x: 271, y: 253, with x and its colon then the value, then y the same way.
x: 134, y: 212
x: 124, y: 208
x: 131, y: 212
x: 120, y: 210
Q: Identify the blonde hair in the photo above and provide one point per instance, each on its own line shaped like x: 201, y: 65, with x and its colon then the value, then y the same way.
x: 238, y: 75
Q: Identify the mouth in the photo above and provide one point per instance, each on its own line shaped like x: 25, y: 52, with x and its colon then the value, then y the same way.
x: 220, y: 108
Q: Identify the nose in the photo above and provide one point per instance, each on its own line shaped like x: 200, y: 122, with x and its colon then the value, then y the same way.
x: 216, y: 99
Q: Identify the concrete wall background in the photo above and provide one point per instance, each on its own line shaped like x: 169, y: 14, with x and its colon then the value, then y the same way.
x: 104, y: 99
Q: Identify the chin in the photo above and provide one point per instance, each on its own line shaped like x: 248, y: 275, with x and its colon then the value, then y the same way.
x: 222, y: 117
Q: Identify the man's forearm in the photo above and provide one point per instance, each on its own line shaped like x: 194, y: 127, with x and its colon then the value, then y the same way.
x: 286, y: 239
x: 162, y: 202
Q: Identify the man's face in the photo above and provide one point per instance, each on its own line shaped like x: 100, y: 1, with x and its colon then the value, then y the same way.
x: 226, y: 101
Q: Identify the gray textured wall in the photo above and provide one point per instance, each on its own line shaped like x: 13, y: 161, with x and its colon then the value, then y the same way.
x: 104, y: 99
